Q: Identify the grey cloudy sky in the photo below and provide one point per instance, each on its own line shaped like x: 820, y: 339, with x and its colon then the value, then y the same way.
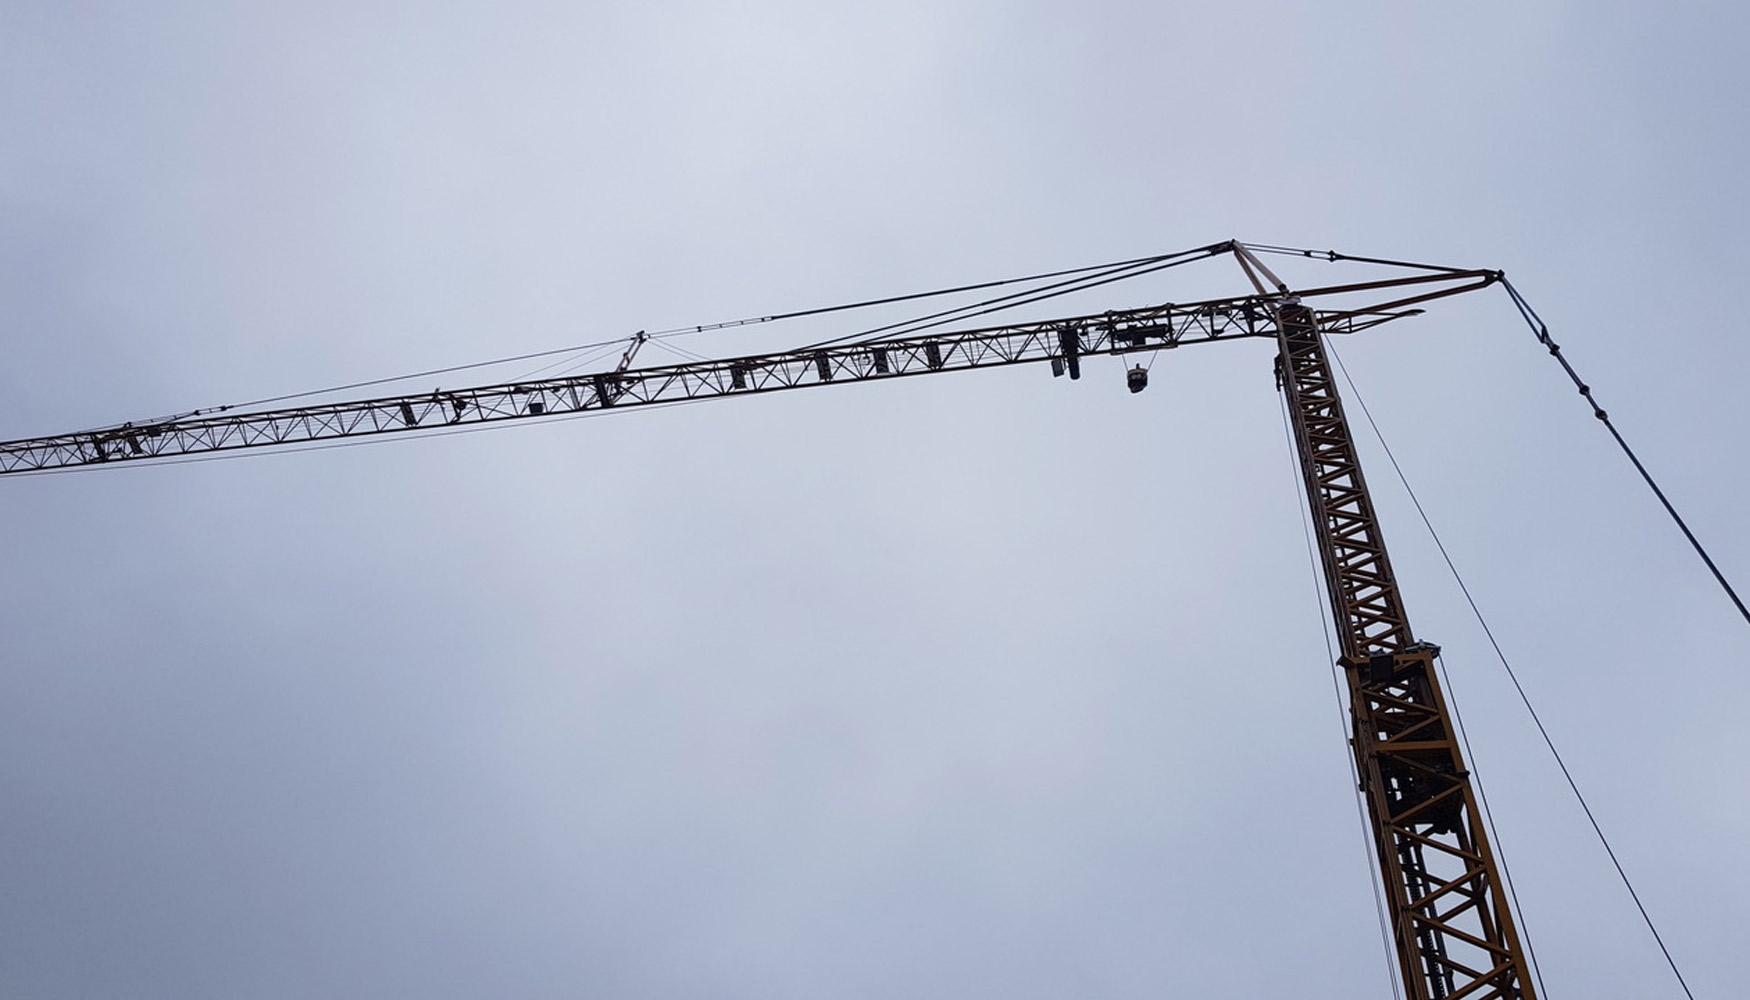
x: 979, y: 686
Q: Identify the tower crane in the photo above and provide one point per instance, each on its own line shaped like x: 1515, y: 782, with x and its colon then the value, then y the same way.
x: 1451, y: 923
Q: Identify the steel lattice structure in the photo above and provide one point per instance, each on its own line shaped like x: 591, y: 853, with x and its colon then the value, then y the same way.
x: 1454, y: 932
x: 1060, y: 341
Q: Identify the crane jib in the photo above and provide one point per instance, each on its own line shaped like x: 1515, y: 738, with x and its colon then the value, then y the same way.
x: 1060, y: 342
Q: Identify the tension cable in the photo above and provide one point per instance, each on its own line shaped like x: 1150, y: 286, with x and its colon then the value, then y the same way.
x: 1524, y: 699
x: 1541, y: 331
x: 1080, y: 278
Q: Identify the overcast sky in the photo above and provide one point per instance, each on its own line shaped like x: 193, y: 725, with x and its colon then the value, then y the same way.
x: 982, y: 685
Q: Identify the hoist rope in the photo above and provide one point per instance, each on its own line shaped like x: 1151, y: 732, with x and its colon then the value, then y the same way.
x: 575, y: 361
x: 1541, y: 331
x: 1196, y: 254
x: 1080, y: 279
x: 1368, y: 846
x: 1524, y: 699
x: 1107, y: 274
x: 571, y: 358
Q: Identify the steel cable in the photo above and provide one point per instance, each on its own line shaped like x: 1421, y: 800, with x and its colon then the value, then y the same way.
x: 1096, y: 272
x: 1524, y: 699
x: 1541, y: 331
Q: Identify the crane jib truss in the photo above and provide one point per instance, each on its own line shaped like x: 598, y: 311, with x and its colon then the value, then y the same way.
x: 1060, y: 341
x: 1453, y: 929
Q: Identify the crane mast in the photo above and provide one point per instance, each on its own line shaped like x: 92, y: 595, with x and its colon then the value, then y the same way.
x: 1449, y: 916
x: 1453, y: 930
